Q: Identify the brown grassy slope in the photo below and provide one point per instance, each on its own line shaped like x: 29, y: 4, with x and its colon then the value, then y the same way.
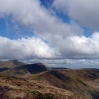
x: 18, y: 88
x: 84, y: 82
x: 5, y: 65
x: 10, y: 63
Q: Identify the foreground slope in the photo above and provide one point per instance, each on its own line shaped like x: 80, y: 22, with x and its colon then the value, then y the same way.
x: 12, y: 87
x: 84, y: 82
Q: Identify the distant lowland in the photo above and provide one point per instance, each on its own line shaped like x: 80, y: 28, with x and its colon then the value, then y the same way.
x: 19, y: 80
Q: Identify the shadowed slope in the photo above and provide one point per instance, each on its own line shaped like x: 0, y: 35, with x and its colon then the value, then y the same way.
x: 84, y: 82
x: 36, y: 68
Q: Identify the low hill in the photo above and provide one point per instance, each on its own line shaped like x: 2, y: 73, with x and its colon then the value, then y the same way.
x: 10, y: 63
x: 28, y: 69
x: 15, y: 67
x: 5, y: 65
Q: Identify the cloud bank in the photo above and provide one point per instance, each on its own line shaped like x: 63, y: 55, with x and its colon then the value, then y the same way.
x: 24, y: 48
x: 33, y: 47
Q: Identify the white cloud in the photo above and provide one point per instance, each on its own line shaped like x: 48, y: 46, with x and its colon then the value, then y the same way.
x: 70, y: 47
x: 77, y: 46
x: 25, y: 48
x: 32, y: 15
x: 84, y: 11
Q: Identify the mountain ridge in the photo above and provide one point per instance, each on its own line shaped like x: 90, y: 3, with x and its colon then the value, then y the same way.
x: 20, y: 68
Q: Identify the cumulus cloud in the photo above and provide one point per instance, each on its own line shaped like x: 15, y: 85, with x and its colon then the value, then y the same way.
x: 70, y: 47
x: 25, y: 48
x: 84, y: 11
x: 32, y: 15
x: 77, y: 46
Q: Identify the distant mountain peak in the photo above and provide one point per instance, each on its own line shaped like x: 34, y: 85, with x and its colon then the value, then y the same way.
x: 41, y: 64
x: 10, y: 63
x: 14, y: 60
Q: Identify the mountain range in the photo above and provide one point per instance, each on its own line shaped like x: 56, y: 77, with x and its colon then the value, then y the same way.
x: 19, y: 80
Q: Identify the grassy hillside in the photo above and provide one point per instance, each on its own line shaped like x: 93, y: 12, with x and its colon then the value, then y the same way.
x: 12, y: 87
x: 84, y: 82
x: 6, y: 65
x: 37, y: 81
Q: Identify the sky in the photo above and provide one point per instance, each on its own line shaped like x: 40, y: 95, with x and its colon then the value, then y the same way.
x: 58, y: 33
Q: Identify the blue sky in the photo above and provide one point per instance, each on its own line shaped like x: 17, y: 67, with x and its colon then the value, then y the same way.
x: 55, y: 32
